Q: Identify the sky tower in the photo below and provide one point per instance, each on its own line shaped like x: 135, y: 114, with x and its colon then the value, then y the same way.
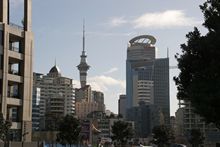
x: 83, y: 67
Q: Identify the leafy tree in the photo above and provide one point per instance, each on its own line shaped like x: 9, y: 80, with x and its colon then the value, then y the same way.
x: 4, y: 128
x: 162, y: 136
x: 196, y: 138
x: 199, y: 64
x: 69, y: 129
x: 122, y: 132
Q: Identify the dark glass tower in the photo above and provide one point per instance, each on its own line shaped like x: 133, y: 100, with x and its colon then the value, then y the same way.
x: 147, y: 78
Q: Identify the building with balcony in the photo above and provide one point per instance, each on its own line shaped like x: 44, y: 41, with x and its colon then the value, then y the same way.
x: 57, y: 97
x: 16, y: 48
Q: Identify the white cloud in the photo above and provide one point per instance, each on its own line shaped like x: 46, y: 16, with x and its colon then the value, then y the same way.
x: 103, y: 83
x: 169, y: 18
x: 110, y: 86
x: 114, y: 69
x: 117, y: 21
x: 76, y: 83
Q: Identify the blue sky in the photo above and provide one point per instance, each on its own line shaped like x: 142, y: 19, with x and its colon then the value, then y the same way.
x: 110, y: 24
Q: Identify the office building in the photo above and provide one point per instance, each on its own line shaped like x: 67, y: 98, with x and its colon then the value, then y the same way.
x: 16, y: 47
x: 145, y: 117
x: 147, y: 77
x: 122, y: 105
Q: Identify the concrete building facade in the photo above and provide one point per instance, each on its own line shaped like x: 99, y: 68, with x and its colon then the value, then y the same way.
x: 16, y: 45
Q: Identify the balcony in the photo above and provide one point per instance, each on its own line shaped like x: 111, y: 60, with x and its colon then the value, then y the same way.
x: 16, y: 125
x: 15, y: 78
x: 13, y: 25
x: 15, y: 101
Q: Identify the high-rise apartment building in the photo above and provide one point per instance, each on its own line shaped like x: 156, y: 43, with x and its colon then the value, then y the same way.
x: 147, y: 77
x: 57, y: 96
x: 16, y: 45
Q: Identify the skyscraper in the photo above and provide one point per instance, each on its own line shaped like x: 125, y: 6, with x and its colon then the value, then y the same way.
x: 16, y: 45
x: 147, y: 78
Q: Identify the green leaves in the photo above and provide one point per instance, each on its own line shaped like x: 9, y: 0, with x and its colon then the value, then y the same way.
x: 199, y: 64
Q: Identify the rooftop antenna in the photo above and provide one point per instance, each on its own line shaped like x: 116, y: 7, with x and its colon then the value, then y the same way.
x: 55, y: 62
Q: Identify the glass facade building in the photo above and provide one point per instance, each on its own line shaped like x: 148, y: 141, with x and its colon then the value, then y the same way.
x: 147, y: 77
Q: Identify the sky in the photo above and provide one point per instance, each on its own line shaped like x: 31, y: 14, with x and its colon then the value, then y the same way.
x: 109, y: 25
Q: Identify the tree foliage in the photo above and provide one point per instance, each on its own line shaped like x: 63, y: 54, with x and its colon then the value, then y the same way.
x: 4, y: 128
x: 69, y: 129
x: 199, y: 64
x: 122, y: 132
x: 196, y: 138
x: 162, y: 136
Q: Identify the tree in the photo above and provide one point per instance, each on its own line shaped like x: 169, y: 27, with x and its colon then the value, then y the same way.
x: 4, y: 128
x: 69, y: 129
x: 196, y: 138
x: 122, y: 132
x: 199, y: 64
x: 162, y: 136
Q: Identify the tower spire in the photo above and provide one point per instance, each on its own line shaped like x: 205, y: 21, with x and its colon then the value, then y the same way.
x: 83, y: 67
x: 83, y: 35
